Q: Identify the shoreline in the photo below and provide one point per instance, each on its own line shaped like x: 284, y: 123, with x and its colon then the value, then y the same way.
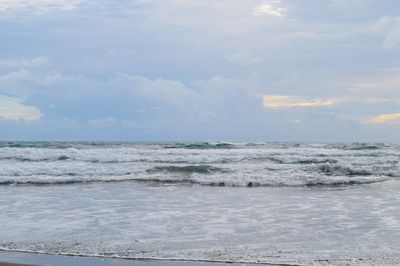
x: 24, y: 258
x: 16, y: 264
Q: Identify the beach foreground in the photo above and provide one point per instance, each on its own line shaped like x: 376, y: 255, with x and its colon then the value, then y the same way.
x: 271, y: 203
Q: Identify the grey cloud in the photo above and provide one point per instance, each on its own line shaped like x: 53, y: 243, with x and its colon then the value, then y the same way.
x: 347, y: 4
x: 38, y: 6
x: 389, y: 28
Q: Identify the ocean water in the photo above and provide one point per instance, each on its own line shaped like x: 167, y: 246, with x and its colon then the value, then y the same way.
x: 293, y: 203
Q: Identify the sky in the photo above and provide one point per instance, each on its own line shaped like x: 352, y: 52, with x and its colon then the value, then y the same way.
x: 227, y: 70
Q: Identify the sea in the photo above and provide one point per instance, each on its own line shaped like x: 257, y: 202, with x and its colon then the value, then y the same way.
x: 277, y: 203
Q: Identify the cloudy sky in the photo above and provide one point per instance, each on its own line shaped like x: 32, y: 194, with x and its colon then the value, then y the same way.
x: 261, y: 70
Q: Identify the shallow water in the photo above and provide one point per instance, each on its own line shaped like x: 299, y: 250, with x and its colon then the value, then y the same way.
x: 286, y: 216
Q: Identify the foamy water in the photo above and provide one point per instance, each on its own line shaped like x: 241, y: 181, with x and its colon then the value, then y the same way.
x: 253, y: 202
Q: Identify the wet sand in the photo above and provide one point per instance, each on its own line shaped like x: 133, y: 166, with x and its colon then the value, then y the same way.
x: 9, y: 258
x: 14, y: 264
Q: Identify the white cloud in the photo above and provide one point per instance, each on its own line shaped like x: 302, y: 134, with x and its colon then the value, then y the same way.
x: 171, y: 92
x: 145, y: 110
x: 243, y: 58
x: 220, y: 18
x: 25, y: 63
x: 10, y: 83
x: 13, y: 109
x: 22, y: 83
x: 123, y: 97
x: 267, y: 9
x: 40, y: 6
x: 143, y: 104
x: 100, y: 122
x: 15, y: 76
x: 111, y: 122
x: 386, y: 85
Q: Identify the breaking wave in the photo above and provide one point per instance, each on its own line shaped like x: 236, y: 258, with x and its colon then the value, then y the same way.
x: 27, y: 159
x: 205, y: 163
x: 196, y: 178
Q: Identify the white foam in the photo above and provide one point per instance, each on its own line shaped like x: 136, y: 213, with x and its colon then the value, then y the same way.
x: 276, y: 225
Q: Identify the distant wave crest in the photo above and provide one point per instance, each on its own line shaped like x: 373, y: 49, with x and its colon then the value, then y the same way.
x: 201, y: 145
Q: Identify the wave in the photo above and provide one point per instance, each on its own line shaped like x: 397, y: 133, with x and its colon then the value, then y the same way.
x: 193, y: 153
x: 71, y: 144
x: 228, y: 180
x: 39, y: 144
x: 27, y: 159
x: 338, y: 169
x: 179, y: 159
x: 201, y: 145
x: 296, y: 180
x: 193, y: 158
x: 51, y: 144
x: 359, y: 146
x: 296, y: 160
x: 211, y: 164
x: 202, y: 169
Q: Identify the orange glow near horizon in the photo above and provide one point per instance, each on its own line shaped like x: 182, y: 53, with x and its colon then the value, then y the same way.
x: 283, y: 101
x: 385, y: 119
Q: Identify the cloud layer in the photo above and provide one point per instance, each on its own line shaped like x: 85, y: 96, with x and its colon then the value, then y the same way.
x: 176, y: 69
